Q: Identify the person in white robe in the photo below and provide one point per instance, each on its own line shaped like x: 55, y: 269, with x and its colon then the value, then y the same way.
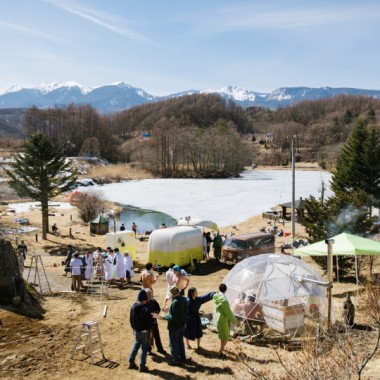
x: 108, y: 268
x: 89, y: 269
x: 119, y: 266
x: 128, y: 266
x: 170, y: 280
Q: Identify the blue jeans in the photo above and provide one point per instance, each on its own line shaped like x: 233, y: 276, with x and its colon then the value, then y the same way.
x: 141, y: 339
x: 177, y: 345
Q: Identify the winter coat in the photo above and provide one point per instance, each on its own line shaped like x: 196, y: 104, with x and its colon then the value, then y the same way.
x: 193, y: 328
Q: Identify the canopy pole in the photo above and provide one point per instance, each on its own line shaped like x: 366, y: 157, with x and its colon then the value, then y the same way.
x: 330, y: 275
x: 357, y: 274
x: 337, y: 269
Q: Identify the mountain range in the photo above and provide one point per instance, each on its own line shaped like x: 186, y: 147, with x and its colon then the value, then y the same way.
x: 120, y: 96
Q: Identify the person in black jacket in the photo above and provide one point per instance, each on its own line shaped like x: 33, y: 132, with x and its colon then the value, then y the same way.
x: 154, y: 334
x: 141, y: 320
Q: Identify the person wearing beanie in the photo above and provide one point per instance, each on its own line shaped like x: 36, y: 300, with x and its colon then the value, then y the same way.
x: 177, y: 317
x: 140, y: 319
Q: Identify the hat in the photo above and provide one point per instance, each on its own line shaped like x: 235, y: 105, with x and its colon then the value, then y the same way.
x: 174, y: 291
x: 176, y: 267
x: 142, y: 296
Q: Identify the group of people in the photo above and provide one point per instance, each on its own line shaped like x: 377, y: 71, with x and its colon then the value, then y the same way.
x: 133, y: 228
x: 183, y: 317
x: 107, y: 265
x: 217, y: 244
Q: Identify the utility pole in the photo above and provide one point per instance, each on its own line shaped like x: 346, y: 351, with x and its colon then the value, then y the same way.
x: 293, y: 192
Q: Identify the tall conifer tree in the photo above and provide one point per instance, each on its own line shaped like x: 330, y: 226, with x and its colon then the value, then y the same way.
x: 41, y: 173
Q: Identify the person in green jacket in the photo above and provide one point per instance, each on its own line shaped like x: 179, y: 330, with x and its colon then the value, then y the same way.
x: 224, y: 316
x: 217, y: 245
x: 177, y: 318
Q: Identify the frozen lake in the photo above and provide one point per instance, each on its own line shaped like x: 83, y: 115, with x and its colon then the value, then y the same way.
x: 225, y: 201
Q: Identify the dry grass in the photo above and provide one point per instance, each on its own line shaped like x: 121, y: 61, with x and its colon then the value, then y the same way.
x: 118, y: 172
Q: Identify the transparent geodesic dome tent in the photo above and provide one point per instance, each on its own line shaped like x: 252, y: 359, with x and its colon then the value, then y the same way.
x: 275, y: 292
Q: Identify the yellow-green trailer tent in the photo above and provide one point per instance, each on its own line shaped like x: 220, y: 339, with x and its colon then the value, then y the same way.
x: 178, y: 245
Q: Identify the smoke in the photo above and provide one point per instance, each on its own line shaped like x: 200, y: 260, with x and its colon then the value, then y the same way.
x: 348, y: 220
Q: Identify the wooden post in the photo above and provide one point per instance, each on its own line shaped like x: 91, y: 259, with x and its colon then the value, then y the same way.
x: 330, y: 275
x: 70, y: 232
x: 36, y: 238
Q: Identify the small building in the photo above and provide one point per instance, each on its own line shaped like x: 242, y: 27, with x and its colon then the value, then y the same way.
x: 299, y: 207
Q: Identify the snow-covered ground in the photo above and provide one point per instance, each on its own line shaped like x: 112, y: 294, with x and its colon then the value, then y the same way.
x: 27, y: 206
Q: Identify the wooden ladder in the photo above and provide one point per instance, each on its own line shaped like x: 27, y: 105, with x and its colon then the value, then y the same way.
x: 40, y: 277
x: 88, y: 338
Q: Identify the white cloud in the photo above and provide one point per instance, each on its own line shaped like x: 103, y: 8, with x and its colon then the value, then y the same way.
x: 97, y: 18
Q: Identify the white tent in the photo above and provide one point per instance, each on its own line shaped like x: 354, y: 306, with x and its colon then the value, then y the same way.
x: 198, y: 222
x: 286, y: 288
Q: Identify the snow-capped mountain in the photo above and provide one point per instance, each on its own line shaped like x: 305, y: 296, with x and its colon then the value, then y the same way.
x: 120, y: 96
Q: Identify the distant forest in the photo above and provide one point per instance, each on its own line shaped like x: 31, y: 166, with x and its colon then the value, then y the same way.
x: 204, y: 135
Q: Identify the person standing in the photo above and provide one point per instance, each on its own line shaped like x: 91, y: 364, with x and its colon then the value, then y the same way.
x: 169, y: 279
x: 89, y: 266
x: 208, y: 241
x: 20, y: 260
x: 193, y: 328
x: 120, y: 268
x: 107, y: 267
x: 69, y: 255
x: 224, y: 316
x: 140, y: 319
x: 128, y: 266
x: 217, y: 245
x: 154, y: 333
x: 147, y: 277
x: 180, y: 281
x: 23, y: 248
x: 134, y: 228
x: 204, y: 247
x: 76, y: 267
x: 176, y: 318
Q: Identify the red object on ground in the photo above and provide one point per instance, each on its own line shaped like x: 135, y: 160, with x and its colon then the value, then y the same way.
x: 71, y: 197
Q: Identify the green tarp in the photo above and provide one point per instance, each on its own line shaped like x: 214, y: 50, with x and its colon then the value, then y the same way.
x: 344, y: 245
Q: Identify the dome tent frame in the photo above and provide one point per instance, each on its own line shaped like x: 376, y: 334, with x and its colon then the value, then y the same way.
x: 286, y: 290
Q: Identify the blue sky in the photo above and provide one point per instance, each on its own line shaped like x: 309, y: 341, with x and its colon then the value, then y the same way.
x: 167, y: 46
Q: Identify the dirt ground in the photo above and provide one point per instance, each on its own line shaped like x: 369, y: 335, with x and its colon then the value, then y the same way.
x: 39, y: 349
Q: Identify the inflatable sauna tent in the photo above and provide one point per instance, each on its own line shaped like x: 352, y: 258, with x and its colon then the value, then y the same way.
x: 179, y: 245
x: 272, y: 292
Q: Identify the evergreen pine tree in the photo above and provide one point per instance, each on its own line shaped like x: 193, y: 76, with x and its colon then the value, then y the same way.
x: 41, y: 173
x: 348, y: 174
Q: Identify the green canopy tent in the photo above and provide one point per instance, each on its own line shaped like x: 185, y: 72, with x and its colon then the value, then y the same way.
x: 340, y: 245
x: 344, y: 245
x: 99, y: 225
